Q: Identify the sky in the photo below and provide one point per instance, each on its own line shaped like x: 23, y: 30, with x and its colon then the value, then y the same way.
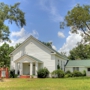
x: 43, y: 19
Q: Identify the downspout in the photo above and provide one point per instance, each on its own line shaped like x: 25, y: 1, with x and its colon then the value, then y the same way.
x: 66, y: 64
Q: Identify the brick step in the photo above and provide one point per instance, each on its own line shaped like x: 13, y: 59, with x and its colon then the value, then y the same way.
x: 24, y: 76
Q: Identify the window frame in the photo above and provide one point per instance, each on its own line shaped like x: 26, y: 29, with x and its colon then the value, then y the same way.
x: 75, y: 69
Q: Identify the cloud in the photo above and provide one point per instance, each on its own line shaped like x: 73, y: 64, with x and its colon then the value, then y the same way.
x: 61, y: 35
x: 34, y: 33
x: 70, y: 43
x: 48, y: 5
x: 20, y: 36
x: 54, y: 47
x: 18, y: 33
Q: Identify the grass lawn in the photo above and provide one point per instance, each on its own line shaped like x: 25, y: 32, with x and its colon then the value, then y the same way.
x: 81, y: 83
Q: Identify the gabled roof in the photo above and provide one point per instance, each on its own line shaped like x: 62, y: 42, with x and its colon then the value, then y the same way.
x: 37, y: 60
x: 62, y: 56
x: 78, y: 63
x: 34, y: 58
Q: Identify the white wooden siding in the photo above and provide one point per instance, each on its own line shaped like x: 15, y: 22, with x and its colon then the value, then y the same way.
x: 35, y: 49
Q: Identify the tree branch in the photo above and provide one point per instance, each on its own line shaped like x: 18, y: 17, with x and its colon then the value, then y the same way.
x: 87, y: 26
x: 85, y: 33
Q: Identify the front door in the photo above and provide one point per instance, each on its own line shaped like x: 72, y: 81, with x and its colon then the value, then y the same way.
x: 26, y: 68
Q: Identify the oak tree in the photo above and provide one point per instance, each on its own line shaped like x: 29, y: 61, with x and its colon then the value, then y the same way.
x: 10, y: 13
x: 79, y: 20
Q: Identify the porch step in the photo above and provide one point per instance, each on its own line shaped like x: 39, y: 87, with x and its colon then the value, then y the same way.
x: 24, y: 76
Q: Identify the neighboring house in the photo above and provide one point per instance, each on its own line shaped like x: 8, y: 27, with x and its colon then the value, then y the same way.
x: 33, y: 55
x: 79, y: 65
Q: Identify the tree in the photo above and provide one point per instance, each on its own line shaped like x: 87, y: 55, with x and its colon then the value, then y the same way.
x: 10, y: 14
x: 5, y: 50
x: 63, y: 53
x: 80, y: 52
x: 49, y: 44
x: 17, y: 45
x: 79, y: 20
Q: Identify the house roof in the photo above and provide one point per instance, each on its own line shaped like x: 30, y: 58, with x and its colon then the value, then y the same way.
x: 78, y: 63
x: 30, y: 57
x: 62, y: 56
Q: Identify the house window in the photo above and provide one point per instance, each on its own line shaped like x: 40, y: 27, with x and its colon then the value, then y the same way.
x: 88, y: 69
x: 58, y: 66
x: 75, y: 68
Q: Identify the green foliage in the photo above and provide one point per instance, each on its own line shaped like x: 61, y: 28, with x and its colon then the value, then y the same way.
x: 68, y: 74
x: 5, y: 50
x: 43, y: 73
x: 58, y: 73
x: 84, y: 73
x: 77, y: 74
x: 17, y: 45
x: 12, y: 74
x: 80, y: 52
x: 49, y: 44
x: 10, y: 14
x: 79, y: 20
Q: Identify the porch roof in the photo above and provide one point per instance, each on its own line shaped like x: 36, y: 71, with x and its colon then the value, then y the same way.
x: 34, y: 58
x: 37, y: 60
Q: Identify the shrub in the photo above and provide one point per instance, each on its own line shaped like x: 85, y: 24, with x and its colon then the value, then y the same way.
x: 77, y: 74
x: 68, y: 74
x: 58, y: 73
x: 12, y: 73
x: 43, y: 73
x: 16, y: 75
x: 84, y: 73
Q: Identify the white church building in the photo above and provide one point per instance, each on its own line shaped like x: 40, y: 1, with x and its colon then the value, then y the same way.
x: 33, y: 55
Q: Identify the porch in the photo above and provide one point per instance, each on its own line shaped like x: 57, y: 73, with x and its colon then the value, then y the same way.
x: 27, y: 66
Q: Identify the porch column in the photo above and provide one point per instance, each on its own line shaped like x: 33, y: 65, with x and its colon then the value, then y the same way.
x: 31, y: 67
x: 36, y: 68
x: 16, y: 68
x: 21, y: 68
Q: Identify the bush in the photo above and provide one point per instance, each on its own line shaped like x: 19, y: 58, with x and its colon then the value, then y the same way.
x: 77, y: 74
x: 58, y: 73
x: 84, y: 73
x: 12, y: 73
x: 43, y: 73
x: 68, y: 74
